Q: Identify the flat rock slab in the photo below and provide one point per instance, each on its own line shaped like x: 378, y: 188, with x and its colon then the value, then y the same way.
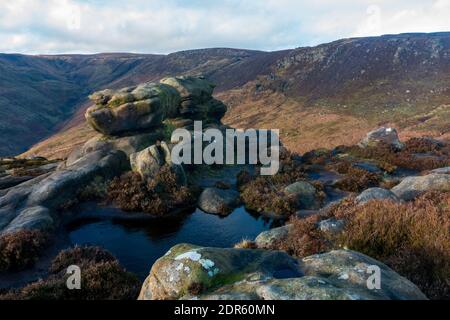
x: 412, y: 187
x: 11, y: 181
x: 33, y: 203
x: 445, y: 170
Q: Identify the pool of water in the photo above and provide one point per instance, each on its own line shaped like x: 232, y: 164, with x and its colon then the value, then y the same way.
x: 138, y: 244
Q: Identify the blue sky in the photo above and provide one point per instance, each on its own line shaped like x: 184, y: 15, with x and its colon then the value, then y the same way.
x: 164, y: 26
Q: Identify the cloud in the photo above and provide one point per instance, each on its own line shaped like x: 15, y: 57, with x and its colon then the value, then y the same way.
x: 163, y: 26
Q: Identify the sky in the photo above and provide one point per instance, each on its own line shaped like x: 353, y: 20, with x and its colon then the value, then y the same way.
x: 164, y: 26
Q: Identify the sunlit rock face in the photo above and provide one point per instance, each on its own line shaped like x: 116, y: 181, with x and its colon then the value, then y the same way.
x: 192, y: 272
x: 147, y: 105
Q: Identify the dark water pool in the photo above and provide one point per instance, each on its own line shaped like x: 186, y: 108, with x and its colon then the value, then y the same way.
x: 138, y: 244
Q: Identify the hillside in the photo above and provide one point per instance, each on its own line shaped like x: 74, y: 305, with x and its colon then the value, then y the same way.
x: 319, y: 96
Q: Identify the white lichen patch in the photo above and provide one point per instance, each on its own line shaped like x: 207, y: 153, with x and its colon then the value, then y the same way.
x: 206, y: 263
x: 354, y: 296
x: 212, y: 273
x: 191, y: 255
x: 358, y: 269
x: 180, y: 266
x: 343, y: 276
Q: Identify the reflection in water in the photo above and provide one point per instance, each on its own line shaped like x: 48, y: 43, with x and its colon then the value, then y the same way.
x: 139, y: 243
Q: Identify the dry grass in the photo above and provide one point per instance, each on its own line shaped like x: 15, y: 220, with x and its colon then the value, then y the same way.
x: 245, y: 244
x: 412, y: 238
x: 21, y: 249
x: 157, y: 196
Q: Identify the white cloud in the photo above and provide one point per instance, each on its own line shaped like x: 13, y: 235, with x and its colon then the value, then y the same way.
x: 162, y: 26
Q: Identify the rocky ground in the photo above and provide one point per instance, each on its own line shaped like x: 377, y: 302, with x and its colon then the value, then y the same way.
x: 384, y: 203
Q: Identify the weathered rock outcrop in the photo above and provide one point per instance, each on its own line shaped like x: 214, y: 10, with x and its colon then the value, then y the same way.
x: 127, y: 144
x: 411, y: 187
x: 382, y: 135
x: 132, y: 122
x: 187, y: 272
x: 445, y: 170
x: 186, y: 266
x: 147, y: 105
x: 35, y: 203
x: 304, y: 193
x: 196, y: 101
x: 134, y: 108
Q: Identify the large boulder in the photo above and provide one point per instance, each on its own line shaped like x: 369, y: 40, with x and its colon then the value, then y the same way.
x: 196, y: 100
x: 411, y: 187
x: 134, y: 108
x: 331, y: 226
x: 147, y: 105
x: 218, y: 201
x: 350, y: 270
x: 382, y: 135
x: 190, y: 272
x: 305, y: 194
x: 445, y: 170
x: 149, y: 161
x: 186, y: 267
x: 376, y: 194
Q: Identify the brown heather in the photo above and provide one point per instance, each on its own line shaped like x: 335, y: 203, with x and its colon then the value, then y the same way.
x: 356, y: 179
x: 157, y: 196
x: 102, y: 278
x: 21, y: 249
x: 304, y: 238
x: 264, y: 193
x: 438, y: 156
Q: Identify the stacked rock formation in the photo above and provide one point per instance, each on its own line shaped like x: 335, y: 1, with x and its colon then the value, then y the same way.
x: 132, y: 125
x: 146, y: 106
x: 134, y: 119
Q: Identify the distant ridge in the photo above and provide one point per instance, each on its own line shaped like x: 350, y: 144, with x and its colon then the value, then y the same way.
x: 319, y: 96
